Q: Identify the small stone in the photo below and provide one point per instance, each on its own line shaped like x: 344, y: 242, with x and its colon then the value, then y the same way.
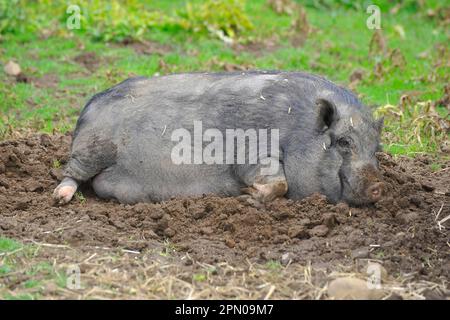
x: 319, y: 231
x: 12, y: 69
x: 348, y: 288
x: 230, y: 243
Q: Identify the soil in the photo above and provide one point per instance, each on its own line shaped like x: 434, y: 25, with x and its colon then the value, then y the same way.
x: 258, y: 47
x: 401, y: 231
x: 89, y: 60
x: 48, y: 80
x: 146, y: 47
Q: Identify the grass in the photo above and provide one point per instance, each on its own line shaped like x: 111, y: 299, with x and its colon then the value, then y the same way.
x: 148, y: 277
x: 56, y: 164
x: 8, y: 245
x: 273, y: 265
x: 435, y: 166
x: 337, y: 46
x: 23, y: 268
x: 80, y: 197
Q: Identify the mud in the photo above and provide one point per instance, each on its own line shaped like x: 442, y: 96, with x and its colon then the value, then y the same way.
x: 401, y: 231
x: 89, y: 60
x: 146, y: 47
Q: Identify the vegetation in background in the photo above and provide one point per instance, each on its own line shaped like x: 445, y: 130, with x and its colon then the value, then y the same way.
x: 118, y: 20
x: 402, y: 70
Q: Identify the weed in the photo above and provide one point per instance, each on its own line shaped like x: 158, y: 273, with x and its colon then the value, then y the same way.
x: 80, y: 197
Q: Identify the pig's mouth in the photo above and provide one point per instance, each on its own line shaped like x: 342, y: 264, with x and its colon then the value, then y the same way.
x: 349, y: 194
x: 363, y: 196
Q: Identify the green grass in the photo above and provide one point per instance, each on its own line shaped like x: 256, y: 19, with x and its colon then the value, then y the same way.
x: 21, y: 265
x: 199, y: 277
x: 337, y: 46
x: 435, y: 166
x: 8, y: 245
x: 80, y: 197
x: 273, y: 265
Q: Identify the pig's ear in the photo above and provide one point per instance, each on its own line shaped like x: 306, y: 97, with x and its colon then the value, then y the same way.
x: 379, y: 123
x: 327, y: 114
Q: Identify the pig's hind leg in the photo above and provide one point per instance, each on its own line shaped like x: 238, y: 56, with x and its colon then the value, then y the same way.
x: 89, y: 157
x: 261, y: 186
x: 114, y: 183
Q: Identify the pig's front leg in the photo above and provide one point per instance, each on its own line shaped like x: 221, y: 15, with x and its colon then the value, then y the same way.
x: 264, y: 182
x: 65, y: 190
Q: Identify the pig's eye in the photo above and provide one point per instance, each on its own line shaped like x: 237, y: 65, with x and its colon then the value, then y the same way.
x: 344, y: 143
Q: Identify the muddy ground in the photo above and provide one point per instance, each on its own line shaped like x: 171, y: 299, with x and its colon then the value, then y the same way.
x: 401, y: 232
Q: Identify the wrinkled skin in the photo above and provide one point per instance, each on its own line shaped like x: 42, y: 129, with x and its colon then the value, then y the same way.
x: 328, y: 139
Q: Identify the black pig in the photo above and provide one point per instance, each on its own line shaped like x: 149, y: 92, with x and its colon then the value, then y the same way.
x: 124, y: 139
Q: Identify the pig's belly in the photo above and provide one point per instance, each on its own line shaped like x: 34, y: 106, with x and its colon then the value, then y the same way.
x: 133, y: 186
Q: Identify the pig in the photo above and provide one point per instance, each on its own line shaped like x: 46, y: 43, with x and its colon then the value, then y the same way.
x: 327, y: 139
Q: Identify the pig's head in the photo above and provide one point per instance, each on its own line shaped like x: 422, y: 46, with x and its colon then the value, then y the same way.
x: 351, y: 137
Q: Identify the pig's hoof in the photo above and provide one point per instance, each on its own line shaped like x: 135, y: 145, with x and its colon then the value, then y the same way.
x: 268, y: 191
x: 63, y: 194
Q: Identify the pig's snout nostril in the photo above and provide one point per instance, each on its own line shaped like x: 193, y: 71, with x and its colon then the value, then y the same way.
x: 375, y: 191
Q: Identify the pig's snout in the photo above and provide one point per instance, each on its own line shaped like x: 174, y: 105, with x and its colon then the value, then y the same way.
x: 369, y: 184
x: 375, y: 191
